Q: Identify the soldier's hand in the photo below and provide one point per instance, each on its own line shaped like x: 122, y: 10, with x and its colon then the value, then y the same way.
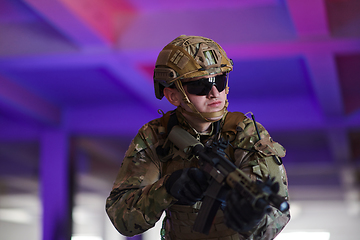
x: 239, y: 213
x: 187, y: 185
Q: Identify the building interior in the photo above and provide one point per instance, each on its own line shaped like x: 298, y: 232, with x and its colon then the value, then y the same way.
x: 76, y: 85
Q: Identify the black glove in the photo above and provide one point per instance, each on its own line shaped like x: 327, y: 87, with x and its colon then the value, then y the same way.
x: 239, y: 214
x: 187, y: 185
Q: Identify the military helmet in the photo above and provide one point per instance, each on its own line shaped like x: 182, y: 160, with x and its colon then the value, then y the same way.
x: 188, y: 57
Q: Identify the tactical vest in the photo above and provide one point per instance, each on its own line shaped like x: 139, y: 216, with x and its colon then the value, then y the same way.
x: 179, y: 219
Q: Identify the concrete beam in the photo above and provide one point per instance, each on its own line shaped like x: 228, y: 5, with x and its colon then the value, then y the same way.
x: 129, y: 75
x: 110, y: 120
x: 23, y: 102
x: 309, y: 17
x: 246, y: 51
x: 293, y: 48
x: 107, y: 18
x: 62, y: 17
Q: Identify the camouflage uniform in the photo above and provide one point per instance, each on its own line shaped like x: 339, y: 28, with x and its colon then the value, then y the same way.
x: 139, y: 198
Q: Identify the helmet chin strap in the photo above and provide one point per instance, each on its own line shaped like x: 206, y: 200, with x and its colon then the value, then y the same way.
x: 207, y: 116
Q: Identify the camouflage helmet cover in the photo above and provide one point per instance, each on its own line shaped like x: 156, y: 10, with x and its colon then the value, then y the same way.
x: 188, y: 57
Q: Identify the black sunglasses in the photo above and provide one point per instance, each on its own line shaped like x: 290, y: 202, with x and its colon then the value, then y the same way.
x: 203, y: 86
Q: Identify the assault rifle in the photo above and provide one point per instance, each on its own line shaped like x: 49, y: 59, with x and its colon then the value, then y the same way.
x: 224, y: 175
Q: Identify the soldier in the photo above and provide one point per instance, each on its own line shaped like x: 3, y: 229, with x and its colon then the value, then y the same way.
x: 192, y: 73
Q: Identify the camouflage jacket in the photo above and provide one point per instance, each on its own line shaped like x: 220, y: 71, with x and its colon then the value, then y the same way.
x: 139, y: 198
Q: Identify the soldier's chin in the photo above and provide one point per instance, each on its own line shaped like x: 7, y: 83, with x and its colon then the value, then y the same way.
x: 214, y: 119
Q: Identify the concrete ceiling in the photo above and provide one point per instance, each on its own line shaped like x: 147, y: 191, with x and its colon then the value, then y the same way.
x: 86, y: 67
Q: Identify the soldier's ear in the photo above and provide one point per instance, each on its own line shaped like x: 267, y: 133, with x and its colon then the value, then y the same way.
x: 173, y: 96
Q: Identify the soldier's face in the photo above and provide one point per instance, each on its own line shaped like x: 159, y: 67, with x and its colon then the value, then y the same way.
x: 212, y: 102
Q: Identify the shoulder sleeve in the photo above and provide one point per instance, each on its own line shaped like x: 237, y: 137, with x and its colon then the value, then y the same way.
x: 138, y: 197
x: 261, y: 159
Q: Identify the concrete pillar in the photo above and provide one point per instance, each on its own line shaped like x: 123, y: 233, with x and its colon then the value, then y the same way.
x: 55, y: 185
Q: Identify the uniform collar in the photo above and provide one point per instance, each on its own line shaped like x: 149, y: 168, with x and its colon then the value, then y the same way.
x: 186, y: 125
